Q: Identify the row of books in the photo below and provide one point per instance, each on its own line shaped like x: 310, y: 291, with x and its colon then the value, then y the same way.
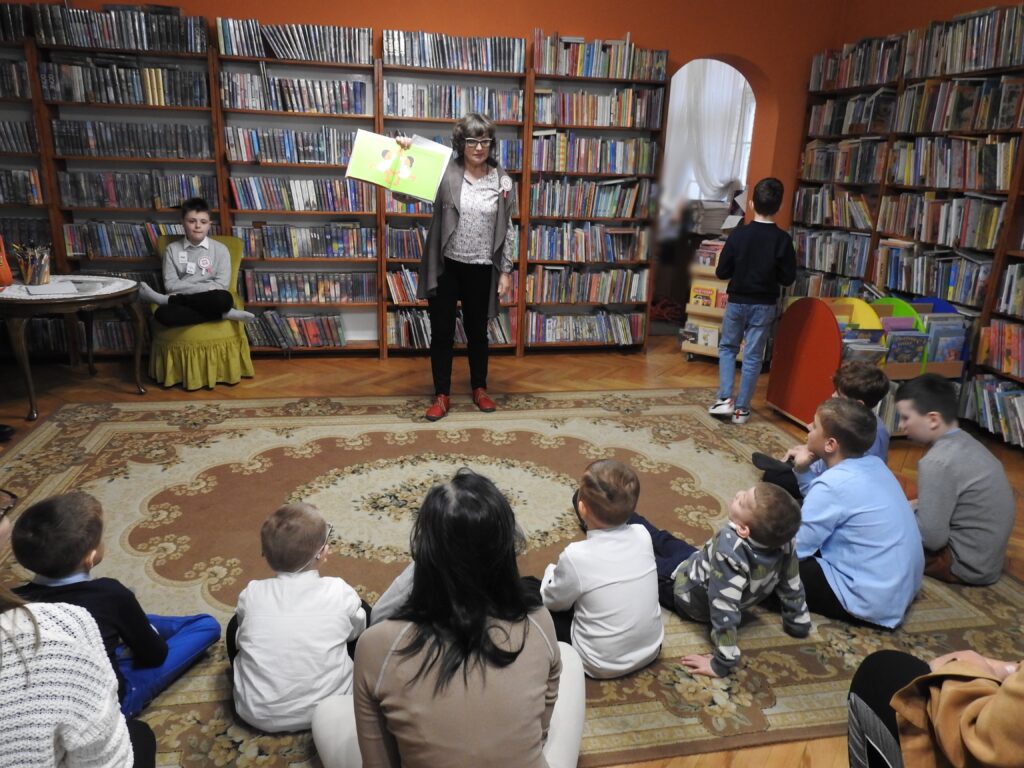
x: 337, y: 240
x: 15, y: 229
x: 12, y: 22
x: 282, y: 193
x: 301, y: 42
x: 968, y: 222
x: 589, y: 243
x: 14, y: 80
x: 434, y: 50
x: 601, y: 327
x: 625, y: 198
x: 995, y: 404
x: 394, y: 206
x: 851, y: 161
x: 120, y: 240
x: 18, y: 136
x: 319, y: 146
x: 451, y: 100
x: 566, y: 285
x: 133, y: 189
x: 309, y: 287
x: 402, y: 285
x: 852, y: 115
x: 823, y: 285
x: 960, y: 105
x: 573, y: 56
x: 284, y: 331
x: 48, y: 335
x: 951, y: 275
x: 120, y: 26
x: 20, y: 186
x: 983, y: 40
x: 842, y: 253
x: 410, y: 329
x: 302, y: 95
x: 700, y: 334
x: 121, y: 80
x: 568, y: 152
x: 944, y: 162
x: 1010, y: 299
x: 827, y: 206
x: 1001, y: 346
x: 406, y: 242
x: 100, y: 138
x: 621, y: 108
x: 872, y: 61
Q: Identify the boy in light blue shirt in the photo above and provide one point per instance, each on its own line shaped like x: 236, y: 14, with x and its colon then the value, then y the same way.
x: 859, y: 545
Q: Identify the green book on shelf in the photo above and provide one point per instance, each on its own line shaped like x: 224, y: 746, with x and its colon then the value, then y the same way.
x: 416, y: 171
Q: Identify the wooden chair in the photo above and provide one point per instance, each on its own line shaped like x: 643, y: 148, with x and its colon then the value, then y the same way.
x: 202, y: 355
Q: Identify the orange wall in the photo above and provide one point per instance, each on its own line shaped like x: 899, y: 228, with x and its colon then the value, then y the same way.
x: 770, y: 42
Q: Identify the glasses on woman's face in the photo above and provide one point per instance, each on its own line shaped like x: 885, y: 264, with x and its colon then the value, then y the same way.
x: 478, y: 143
x: 7, y: 502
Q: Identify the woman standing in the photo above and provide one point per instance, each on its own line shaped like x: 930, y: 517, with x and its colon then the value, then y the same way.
x: 467, y: 257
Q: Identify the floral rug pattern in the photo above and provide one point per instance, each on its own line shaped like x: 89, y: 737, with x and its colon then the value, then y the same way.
x: 185, y: 490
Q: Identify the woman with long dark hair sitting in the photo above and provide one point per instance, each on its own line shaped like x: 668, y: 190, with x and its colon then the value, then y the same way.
x: 468, y: 671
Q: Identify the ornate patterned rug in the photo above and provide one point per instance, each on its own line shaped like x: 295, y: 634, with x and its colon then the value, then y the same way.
x: 186, y: 487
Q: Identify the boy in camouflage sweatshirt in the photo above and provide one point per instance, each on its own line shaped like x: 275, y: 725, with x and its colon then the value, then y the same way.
x: 752, y: 556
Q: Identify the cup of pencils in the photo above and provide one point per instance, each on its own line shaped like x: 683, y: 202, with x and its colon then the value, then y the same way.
x: 34, y: 263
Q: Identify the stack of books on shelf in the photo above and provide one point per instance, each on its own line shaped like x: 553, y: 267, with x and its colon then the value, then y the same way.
x: 433, y: 50
x: 599, y: 328
x: 301, y: 95
x: 863, y: 344
x: 451, y: 101
x: 568, y: 152
x: 827, y: 206
x: 410, y: 329
x: 20, y: 186
x: 394, y: 206
x: 615, y: 198
x: 309, y: 287
x: 337, y: 240
x: 956, y: 276
x: 273, y: 329
x: 24, y: 231
x: 949, y: 162
x: 969, y: 222
x: 823, y: 285
x: 120, y: 80
x: 852, y: 115
x: 12, y: 22
x: 614, y: 59
x: 947, y: 335
x: 996, y: 404
x: 1010, y: 298
x: 155, y: 189
x: 319, y: 146
x: 708, y: 253
x: 589, y: 242
x: 621, y: 108
x: 283, y: 193
x: 14, y: 80
x: 48, y: 335
x: 299, y: 42
x: 707, y: 295
x: 906, y: 345
x: 844, y: 253
x: 1001, y: 347
x: 976, y: 41
x: 977, y: 104
x: 121, y: 240
x: 162, y: 28
x: 565, y: 285
x: 99, y: 138
x: 402, y: 284
x: 18, y: 136
x: 405, y: 242
x: 872, y: 61
x: 701, y: 334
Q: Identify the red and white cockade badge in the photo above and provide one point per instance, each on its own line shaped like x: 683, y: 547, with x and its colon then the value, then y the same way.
x: 204, y: 264
x: 506, y: 185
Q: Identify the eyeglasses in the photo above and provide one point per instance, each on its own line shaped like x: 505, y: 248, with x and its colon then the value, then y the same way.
x: 7, y: 502
x: 479, y: 143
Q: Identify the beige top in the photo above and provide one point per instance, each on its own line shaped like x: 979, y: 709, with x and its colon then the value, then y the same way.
x: 498, y: 718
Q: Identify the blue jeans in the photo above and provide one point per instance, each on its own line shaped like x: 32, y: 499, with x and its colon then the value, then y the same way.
x: 669, y: 552
x: 187, y: 637
x: 743, y: 322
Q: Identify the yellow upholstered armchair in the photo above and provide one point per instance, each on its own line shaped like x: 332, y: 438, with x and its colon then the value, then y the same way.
x: 197, y: 356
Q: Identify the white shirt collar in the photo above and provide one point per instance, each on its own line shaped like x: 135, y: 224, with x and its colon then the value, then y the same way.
x: 204, y: 243
x: 63, y: 581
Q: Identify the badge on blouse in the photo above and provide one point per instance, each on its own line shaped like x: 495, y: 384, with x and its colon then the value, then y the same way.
x: 204, y: 263
x: 506, y: 184
x: 190, y: 269
x: 183, y: 258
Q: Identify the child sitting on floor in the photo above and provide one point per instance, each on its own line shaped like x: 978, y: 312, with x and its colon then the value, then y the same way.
x: 752, y: 556
x: 60, y: 539
x: 606, y: 585
x: 290, y: 632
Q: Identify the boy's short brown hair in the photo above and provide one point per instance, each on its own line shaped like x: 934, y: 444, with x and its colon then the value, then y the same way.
x: 777, y: 515
x: 610, y: 490
x: 860, y: 380
x: 850, y: 423
x: 292, y: 536
x: 53, y: 536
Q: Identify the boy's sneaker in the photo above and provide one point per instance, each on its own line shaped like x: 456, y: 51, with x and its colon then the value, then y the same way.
x: 740, y: 416
x: 722, y: 407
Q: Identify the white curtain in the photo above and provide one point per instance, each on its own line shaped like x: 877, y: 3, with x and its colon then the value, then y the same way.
x: 710, y: 121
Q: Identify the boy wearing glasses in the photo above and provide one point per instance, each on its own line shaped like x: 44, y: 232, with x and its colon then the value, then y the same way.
x: 60, y: 539
x: 287, y: 640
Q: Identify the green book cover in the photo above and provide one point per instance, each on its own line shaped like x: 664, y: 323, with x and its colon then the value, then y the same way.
x: 416, y: 171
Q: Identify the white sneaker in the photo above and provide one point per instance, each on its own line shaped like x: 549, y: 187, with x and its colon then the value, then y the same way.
x: 722, y: 407
x: 740, y: 416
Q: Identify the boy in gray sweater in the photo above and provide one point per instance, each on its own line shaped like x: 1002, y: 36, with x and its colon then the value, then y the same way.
x: 965, y: 506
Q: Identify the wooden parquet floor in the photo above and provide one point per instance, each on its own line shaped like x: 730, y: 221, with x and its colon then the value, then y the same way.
x: 662, y: 366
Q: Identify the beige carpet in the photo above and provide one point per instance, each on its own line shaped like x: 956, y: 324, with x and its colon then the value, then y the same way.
x: 185, y: 488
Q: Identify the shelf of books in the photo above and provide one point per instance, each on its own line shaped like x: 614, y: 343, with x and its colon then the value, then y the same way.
x: 706, y: 307
x: 596, y: 136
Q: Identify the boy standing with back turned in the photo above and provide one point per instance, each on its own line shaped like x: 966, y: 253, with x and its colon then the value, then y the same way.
x: 757, y: 260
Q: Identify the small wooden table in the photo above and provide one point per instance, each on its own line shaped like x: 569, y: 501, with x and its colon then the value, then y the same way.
x: 85, y: 294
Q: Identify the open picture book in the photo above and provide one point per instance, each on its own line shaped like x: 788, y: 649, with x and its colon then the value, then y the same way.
x: 416, y: 171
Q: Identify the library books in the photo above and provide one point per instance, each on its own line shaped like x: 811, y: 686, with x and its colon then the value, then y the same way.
x: 971, y: 222
x: 20, y: 186
x: 112, y: 79
x: 325, y: 145
x: 708, y: 253
x: 153, y: 189
x: 906, y: 346
x: 976, y: 104
x: 1010, y: 299
x: 947, y: 336
x: 589, y: 242
x: 869, y: 352
x: 159, y: 28
x: 826, y: 206
x: 968, y: 163
x: 286, y: 331
x: 410, y: 329
x: 391, y: 205
x: 402, y: 285
x: 300, y: 42
x: 703, y: 295
x: 239, y: 37
x: 99, y: 138
x: 844, y: 253
x: 48, y: 335
x: 282, y: 193
x: 18, y: 136
x: 850, y: 161
x: 617, y: 198
x: 433, y: 50
x: 342, y: 239
x: 569, y: 152
x: 852, y: 115
x: 600, y: 327
x: 871, y: 61
x: 1001, y: 347
x: 957, y: 276
x: 985, y: 39
x: 309, y: 287
x: 995, y: 404
x: 24, y: 231
x: 618, y: 59
x: 451, y: 100
x: 405, y: 242
x: 12, y: 22
x: 95, y: 239
x: 14, y: 80
x: 823, y: 285
x: 301, y: 95
x: 631, y: 107
x: 565, y: 285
